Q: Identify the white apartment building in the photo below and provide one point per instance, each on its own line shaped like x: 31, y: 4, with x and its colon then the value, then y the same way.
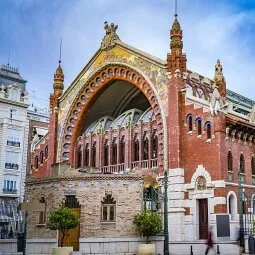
x: 13, y: 146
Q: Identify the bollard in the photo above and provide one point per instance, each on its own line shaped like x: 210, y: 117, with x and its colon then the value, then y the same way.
x: 218, y: 249
x: 191, y: 250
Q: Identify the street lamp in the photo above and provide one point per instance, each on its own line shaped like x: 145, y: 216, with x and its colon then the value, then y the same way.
x: 241, y: 233
x: 166, y: 236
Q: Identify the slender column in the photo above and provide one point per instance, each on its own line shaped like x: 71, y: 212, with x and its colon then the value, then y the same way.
x: 129, y: 148
x: 166, y: 235
x: 149, y: 142
x: 90, y: 149
x: 118, y: 146
x: 140, y: 144
x: 82, y: 151
x: 241, y: 234
x: 110, y: 140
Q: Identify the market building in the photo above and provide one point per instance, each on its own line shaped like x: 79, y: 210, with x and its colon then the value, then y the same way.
x: 125, y: 119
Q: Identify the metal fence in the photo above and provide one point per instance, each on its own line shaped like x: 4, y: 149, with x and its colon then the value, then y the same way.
x: 11, y: 219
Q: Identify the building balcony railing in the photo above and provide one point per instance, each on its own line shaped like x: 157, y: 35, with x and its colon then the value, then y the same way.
x: 12, y: 143
x: 10, y: 191
x: 113, y: 168
x: 118, y: 168
x: 11, y: 166
x: 145, y: 164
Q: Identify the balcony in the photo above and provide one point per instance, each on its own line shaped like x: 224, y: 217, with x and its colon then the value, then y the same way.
x: 10, y: 191
x: 144, y: 164
x: 113, y: 168
x: 11, y: 166
x: 12, y: 143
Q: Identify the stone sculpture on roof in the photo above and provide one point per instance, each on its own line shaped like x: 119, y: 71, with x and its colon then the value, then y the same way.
x: 110, y: 37
x: 216, y: 101
x: 218, y: 77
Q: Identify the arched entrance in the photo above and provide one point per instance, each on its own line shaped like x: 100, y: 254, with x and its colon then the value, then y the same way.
x: 106, y: 77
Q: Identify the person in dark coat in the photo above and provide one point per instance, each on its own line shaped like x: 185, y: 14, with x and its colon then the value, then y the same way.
x: 209, y: 242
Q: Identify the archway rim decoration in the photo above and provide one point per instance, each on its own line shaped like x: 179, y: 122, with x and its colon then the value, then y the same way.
x: 94, y: 86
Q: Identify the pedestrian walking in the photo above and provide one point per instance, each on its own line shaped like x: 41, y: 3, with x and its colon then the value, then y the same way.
x: 209, y: 242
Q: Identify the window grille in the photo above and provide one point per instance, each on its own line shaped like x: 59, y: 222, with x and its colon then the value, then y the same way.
x: 108, y: 209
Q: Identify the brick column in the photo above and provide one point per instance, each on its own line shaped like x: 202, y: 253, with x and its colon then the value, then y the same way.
x: 175, y: 99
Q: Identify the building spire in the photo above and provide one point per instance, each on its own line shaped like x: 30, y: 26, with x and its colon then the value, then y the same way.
x: 59, y: 75
x: 60, y: 48
x: 176, y: 60
x: 175, y: 15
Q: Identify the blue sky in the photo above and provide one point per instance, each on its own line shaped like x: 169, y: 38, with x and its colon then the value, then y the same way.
x: 223, y: 29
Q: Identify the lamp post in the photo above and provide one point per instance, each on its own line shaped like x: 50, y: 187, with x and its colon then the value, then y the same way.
x: 166, y: 236
x: 241, y: 233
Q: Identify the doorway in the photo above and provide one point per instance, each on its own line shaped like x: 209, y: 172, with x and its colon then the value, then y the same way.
x: 203, y: 218
x: 73, y: 236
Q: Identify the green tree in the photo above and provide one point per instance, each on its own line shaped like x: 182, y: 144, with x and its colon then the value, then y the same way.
x: 62, y: 219
x: 148, y: 223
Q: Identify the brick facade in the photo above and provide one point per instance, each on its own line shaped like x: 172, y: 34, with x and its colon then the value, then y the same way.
x: 194, y: 121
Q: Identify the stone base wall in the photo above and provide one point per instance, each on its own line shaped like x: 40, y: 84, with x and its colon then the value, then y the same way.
x: 8, y: 246
x: 41, y: 246
x: 128, y: 246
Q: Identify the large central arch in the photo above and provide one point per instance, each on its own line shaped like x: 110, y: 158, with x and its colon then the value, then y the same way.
x: 93, y: 88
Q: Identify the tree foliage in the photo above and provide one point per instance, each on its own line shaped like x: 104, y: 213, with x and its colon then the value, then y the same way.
x: 148, y: 223
x: 62, y: 219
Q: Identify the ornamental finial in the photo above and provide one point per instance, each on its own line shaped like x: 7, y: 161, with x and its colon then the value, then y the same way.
x: 218, y: 77
x: 110, y: 37
x: 59, y: 74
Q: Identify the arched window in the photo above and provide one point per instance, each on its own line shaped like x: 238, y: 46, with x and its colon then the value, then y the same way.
x: 106, y: 153
x: 230, y: 162
x: 36, y: 162
x: 86, y: 156
x: 189, y: 122
x: 232, y: 206
x: 136, y: 149
x: 108, y: 209
x: 114, y: 151
x: 41, y: 157
x: 242, y: 164
x: 252, y: 166
x: 208, y: 128
x: 154, y: 150
x: 145, y: 148
x: 79, y: 153
x: 93, y: 157
x: 122, y: 150
x: 199, y: 126
x: 46, y: 151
